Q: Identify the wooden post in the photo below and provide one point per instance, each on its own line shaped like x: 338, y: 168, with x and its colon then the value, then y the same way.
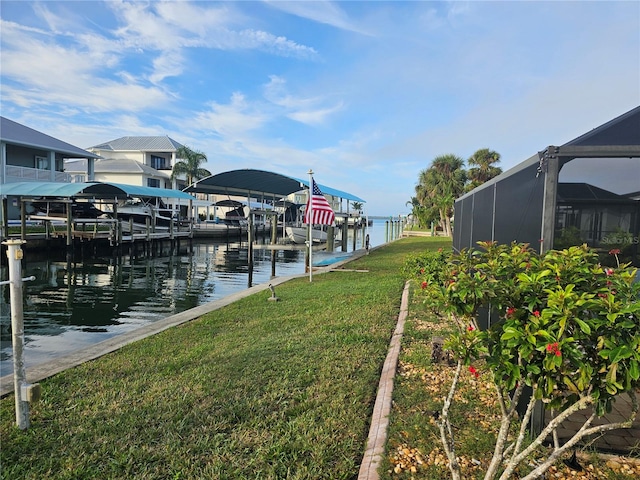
x: 274, y: 229
x: 330, y: 238
x: 5, y: 219
x: 250, y: 250
x: 355, y: 234
x: 23, y: 221
x: 345, y: 234
x: 69, y: 226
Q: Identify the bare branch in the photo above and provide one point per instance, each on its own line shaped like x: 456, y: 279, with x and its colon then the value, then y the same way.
x: 446, y: 433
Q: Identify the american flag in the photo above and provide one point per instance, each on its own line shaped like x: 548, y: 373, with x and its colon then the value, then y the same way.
x: 320, y: 212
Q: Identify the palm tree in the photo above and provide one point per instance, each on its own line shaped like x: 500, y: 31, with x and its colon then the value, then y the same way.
x: 439, y: 186
x: 357, y: 206
x: 189, y: 165
x: 422, y: 216
x: 484, y: 169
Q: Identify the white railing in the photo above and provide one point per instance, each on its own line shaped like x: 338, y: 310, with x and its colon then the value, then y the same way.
x: 26, y: 174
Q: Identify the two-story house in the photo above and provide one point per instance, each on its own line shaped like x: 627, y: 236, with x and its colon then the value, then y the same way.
x: 143, y: 161
x: 27, y: 155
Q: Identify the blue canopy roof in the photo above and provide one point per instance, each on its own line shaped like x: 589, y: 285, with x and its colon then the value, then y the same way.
x: 87, y: 190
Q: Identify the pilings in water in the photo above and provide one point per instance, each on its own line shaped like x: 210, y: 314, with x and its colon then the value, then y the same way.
x: 393, y: 229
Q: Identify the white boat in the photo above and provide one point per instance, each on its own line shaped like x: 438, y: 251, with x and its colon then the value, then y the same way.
x: 299, y: 235
x: 140, y: 211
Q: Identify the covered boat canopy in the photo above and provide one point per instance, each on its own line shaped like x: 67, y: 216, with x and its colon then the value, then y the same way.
x: 87, y: 190
x: 256, y: 183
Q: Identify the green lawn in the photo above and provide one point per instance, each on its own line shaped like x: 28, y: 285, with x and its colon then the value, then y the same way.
x: 257, y: 389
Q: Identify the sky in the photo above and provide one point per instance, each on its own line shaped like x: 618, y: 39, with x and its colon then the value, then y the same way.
x: 364, y: 93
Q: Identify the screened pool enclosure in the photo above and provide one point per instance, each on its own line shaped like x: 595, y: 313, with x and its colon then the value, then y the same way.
x: 585, y: 191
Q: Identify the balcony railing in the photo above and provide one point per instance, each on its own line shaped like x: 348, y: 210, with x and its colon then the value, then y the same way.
x: 25, y: 174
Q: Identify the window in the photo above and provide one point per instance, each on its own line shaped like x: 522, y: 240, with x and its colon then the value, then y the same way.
x: 42, y: 163
x: 153, y: 182
x: 159, y: 163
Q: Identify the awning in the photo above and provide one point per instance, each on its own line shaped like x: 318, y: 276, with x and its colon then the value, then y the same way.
x: 257, y: 183
x: 56, y: 189
x: 138, y: 191
x: 87, y: 190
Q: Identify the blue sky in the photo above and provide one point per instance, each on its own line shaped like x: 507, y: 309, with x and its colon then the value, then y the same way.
x: 366, y: 94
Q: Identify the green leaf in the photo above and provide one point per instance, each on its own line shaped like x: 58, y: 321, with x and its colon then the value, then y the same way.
x: 612, y: 316
x: 634, y: 369
x: 620, y: 353
x: 584, y: 326
x: 535, y: 369
x: 570, y: 384
x: 627, y: 324
x: 510, y: 332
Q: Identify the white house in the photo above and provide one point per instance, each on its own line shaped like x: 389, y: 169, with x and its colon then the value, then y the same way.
x: 144, y: 161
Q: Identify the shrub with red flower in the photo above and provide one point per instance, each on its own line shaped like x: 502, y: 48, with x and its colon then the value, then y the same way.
x: 553, y: 349
x: 578, y: 348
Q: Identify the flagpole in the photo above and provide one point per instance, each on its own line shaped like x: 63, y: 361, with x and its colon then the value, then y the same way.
x: 310, y: 225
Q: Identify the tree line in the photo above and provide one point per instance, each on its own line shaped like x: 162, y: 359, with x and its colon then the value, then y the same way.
x: 447, y: 179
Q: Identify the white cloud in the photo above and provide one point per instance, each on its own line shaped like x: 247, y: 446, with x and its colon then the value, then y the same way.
x: 328, y: 13
x: 233, y: 120
x: 307, y: 110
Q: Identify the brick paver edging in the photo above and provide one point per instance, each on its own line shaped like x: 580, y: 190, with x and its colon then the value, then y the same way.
x: 380, y: 418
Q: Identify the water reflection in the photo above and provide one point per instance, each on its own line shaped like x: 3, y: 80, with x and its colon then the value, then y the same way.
x: 72, y: 304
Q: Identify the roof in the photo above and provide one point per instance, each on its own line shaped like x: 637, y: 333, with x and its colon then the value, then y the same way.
x: 143, y: 144
x: 15, y: 133
x: 87, y: 190
x: 250, y: 182
x: 125, y: 166
x: 584, y: 192
x: 622, y: 130
x: 114, y: 166
x: 619, y: 137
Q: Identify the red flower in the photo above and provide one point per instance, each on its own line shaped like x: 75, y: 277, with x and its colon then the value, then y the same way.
x: 553, y: 349
x: 614, y: 251
x: 510, y: 311
x: 422, y: 270
x: 424, y: 285
x: 474, y: 372
x: 609, y: 271
x: 536, y: 313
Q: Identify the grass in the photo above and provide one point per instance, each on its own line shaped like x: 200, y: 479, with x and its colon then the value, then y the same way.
x: 257, y: 389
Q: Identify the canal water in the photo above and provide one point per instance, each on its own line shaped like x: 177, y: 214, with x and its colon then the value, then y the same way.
x: 73, y: 304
